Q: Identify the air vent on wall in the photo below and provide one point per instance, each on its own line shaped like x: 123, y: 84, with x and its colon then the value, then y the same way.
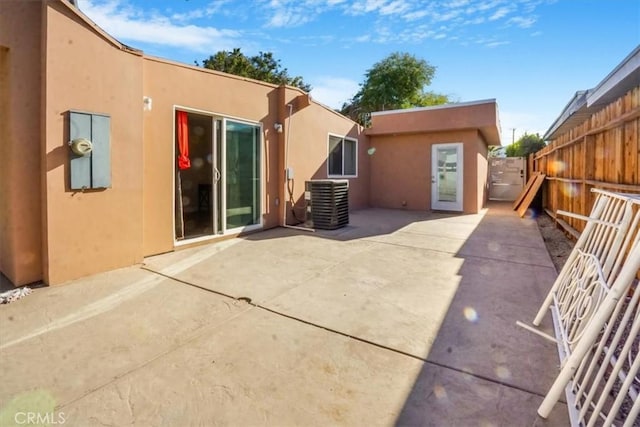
x: 327, y: 203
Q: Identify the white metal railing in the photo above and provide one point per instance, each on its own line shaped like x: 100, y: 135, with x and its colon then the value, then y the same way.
x: 596, y: 317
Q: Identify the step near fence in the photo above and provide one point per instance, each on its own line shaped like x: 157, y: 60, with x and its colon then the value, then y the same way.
x: 595, y: 308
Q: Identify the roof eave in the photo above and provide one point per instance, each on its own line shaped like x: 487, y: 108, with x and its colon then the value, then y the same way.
x: 578, y: 102
x: 623, y: 78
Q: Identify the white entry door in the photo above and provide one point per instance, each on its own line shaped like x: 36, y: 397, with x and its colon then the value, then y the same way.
x: 446, y: 177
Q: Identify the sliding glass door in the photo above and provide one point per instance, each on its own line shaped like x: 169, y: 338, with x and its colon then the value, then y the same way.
x: 242, y: 174
x: 219, y: 192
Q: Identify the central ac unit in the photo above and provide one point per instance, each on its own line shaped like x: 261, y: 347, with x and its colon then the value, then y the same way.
x: 327, y: 203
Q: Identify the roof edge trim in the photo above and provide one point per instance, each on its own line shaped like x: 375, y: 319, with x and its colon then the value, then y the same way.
x: 434, y: 107
x: 95, y: 27
x: 628, y: 65
x: 575, y: 104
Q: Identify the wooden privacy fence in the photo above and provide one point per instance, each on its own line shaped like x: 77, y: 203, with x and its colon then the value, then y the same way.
x: 602, y: 152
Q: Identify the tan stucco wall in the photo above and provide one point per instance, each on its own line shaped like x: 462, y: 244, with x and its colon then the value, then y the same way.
x: 170, y: 84
x: 20, y: 124
x: 401, y: 169
x: 482, y: 159
x: 96, y: 230
x: 64, y: 234
x: 308, y: 151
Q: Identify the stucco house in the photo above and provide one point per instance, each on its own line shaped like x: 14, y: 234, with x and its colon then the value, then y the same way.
x: 433, y: 157
x: 183, y: 155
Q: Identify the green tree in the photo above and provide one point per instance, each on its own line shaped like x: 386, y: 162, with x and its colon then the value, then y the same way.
x: 527, y: 144
x: 396, y: 82
x: 262, y: 66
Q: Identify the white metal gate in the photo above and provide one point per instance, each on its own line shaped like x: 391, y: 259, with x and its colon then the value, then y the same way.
x: 506, y: 177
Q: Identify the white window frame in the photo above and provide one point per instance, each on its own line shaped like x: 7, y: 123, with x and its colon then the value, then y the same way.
x: 344, y: 138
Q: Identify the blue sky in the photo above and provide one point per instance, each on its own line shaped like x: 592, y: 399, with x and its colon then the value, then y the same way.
x: 531, y: 55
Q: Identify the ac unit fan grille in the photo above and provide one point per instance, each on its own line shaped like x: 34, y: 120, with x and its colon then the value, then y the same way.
x: 328, y: 207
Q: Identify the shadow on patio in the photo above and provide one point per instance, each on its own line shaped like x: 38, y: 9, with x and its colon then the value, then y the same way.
x: 404, y: 317
x: 482, y: 366
x: 443, y: 289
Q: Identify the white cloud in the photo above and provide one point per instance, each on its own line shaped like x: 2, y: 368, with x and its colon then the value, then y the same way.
x: 333, y: 91
x: 205, y: 12
x: 447, y: 16
x: 294, y: 13
x: 457, y: 4
x: 487, y: 5
x: 522, y: 21
x: 372, y: 5
x: 395, y: 7
x: 412, y: 16
x: 388, y: 21
x: 288, y: 18
x: 407, y: 20
x: 500, y: 13
x: 475, y: 21
x: 496, y: 43
x: 127, y: 23
x: 384, y: 7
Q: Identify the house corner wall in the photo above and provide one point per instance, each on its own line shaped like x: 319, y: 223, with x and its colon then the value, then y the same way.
x: 306, y: 135
x: 476, y: 168
x: 282, y: 118
x: 482, y: 157
x: 94, y: 230
x: 20, y: 133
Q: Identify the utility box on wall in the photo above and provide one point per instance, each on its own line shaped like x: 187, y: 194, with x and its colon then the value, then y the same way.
x: 90, y: 150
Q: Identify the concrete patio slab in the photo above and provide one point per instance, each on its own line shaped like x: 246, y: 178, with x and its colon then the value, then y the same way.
x: 261, y: 369
x: 482, y: 321
x: 94, y: 347
x: 264, y: 265
x: 395, y: 297
x: 401, y: 318
x: 456, y: 399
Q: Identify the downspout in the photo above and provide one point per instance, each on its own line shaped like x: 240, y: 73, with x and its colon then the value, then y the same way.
x: 286, y: 178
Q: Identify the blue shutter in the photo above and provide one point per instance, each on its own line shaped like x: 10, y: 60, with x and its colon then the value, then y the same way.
x: 80, y: 166
x: 101, y: 154
x: 94, y: 169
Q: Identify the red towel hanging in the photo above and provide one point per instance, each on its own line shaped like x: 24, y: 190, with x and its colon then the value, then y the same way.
x: 183, y: 141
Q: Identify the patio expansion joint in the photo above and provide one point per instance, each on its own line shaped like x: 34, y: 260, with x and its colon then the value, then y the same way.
x: 529, y: 264
x: 339, y: 333
x: 465, y: 256
x: 418, y: 233
x: 380, y: 242
x: 400, y: 352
